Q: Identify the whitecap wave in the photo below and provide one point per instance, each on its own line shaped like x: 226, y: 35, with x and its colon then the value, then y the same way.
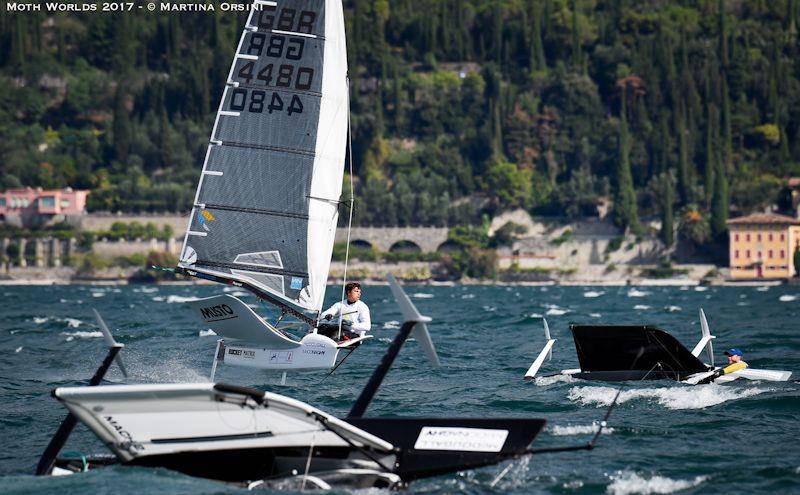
x: 207, y: 333
x: 391, y: 325
x: 629, y: 482
x: 543, y: 381
x: 468, y: 296
x: 593, y: 293
x: 642, y: 307
x: 672, y: 309
x: 556, y: 311
x: 181, y: 299
x: 98, y: 294
x: 489, y: 309
x: 700, y: 288
x: 637, y: 293
x: 41, y: 319
x: 72, y: 322
x: 82, y: 335
x: 688, y: 397
x: 422, y: 295
x: 146, y: 290
x: 535, y: 315
x: 571, y: 430
x: 18, y: 350
x: 595, y: 315
x: 763, y: 288
x: 157, y: 298
x: 787, y: 298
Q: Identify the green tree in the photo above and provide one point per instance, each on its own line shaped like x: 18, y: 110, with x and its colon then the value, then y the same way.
x: 797, y: 259
x: 509, y: 186
x: 719, y: 202
x: 625, y: 209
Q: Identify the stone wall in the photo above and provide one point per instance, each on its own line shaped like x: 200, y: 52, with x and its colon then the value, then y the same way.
x: 95, y: 222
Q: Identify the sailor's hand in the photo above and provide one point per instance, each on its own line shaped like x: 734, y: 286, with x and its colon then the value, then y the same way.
x: 328, y: 317
x: 713, y: 376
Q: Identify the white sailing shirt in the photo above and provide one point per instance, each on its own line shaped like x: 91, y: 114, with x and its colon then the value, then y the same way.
x: 357, y: 314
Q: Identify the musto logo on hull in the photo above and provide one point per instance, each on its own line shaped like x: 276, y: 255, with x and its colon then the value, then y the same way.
x: 216, y: 313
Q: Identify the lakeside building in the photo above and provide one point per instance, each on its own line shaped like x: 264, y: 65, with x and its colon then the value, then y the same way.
x: 762, y: 245
x: 29, y: 207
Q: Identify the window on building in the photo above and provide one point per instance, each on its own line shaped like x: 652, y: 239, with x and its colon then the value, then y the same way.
x: 736, y: 254
x: 758, y: 238
x: 65, y: 203
x: 783, y: 237
x: 2, y: 201
x: 783, y: 254
x: 747, y: 237
x: 736, y: 237
x: 25, y: 203
x: 769, y: 254
x: 47, y: 201
x: 760, y: 255
x: 769, y: 237
x: 747, y: 254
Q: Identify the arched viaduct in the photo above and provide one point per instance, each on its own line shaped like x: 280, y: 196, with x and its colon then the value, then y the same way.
x: 428, y: 239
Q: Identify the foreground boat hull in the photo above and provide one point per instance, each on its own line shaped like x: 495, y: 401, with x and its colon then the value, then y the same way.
x: 241, y: 435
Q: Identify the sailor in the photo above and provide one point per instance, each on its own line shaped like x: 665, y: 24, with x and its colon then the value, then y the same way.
x: 735, y: 364
x: 353, y: 310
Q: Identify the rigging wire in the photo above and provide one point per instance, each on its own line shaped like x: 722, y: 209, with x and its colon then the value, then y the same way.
x: 351, y: 202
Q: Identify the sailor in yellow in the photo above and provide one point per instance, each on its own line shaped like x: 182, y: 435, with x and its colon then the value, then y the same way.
x: 735, y: 364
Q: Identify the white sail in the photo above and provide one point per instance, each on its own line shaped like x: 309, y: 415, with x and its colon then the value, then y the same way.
x: 266, y: 208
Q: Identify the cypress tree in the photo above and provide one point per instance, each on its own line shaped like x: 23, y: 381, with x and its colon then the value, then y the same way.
x: 625, y: 213
x: 576, y: 36
x: 796, y: 259
x: 539, y: 62
x: 121, y: 125
x: 719, y: 202
x: 667, y: 215
x: 727, y: 135
x: 498, y: 32
x: 711, y: 123
x: 684, y: 172
x: 723, y: 34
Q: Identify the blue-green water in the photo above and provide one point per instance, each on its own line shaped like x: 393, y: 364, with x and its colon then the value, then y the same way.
x: 666, y: 437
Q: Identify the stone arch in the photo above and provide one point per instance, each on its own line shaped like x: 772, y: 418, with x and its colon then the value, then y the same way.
x: 30, y: 252
x: 448, y: 246
x: 405, y: 246
x: 360, y: 244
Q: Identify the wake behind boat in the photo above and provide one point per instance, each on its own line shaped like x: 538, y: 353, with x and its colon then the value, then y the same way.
x: 254, y: 438
x: 615, y: 352
x: 266, y: 208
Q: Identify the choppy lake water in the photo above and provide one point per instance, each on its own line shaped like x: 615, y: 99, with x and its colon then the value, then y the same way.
x: 663, y: 437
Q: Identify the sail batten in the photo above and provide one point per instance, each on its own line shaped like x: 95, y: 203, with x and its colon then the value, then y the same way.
x: 278, y: 142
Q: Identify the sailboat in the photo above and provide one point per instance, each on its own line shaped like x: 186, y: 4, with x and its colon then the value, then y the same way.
x: 620, y: 353
x: 266, y: 208
x: 252, y: 438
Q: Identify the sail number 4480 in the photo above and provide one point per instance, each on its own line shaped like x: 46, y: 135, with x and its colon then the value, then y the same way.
x: 257, y: 101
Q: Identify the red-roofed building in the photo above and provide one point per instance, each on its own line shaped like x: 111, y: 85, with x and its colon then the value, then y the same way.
x: 762, y: 245
x: 32, y: 207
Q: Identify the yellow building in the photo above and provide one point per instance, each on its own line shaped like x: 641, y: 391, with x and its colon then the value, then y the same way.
x: 762, y: 245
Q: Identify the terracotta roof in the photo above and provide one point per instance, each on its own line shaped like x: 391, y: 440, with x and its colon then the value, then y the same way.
x: 764, y: 218
x: 794, y: 181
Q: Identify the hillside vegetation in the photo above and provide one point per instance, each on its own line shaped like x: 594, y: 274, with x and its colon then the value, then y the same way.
x: 689, y: 110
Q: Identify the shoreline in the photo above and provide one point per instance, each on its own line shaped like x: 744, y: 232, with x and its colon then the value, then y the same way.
x: 633, y: 282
